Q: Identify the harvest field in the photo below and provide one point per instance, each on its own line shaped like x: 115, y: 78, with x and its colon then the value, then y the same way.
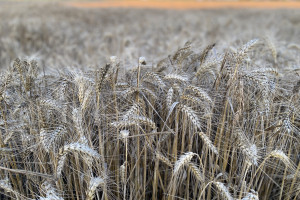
x: 122, y: 103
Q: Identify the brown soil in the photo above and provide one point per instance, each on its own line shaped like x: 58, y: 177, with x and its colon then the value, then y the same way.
x: 182, y: 5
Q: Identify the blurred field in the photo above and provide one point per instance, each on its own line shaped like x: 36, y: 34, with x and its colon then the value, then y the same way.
x: 61, y: 35
x: 111, y: 102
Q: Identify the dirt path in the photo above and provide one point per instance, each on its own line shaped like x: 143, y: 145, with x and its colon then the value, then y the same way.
x: 181, y: 5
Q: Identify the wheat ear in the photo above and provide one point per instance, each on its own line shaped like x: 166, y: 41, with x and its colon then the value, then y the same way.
x: 6, y: 185
x: 164, y: 159
x: 183, y: 159
x: 201, y: 93
x: 176, y: 77
x: 223, y: 190
x: 191, y: 115
x: 51, y: 193
x: 196, y: 172
x: 208, y: 143
x: 251, y: 196
x: 94, y: 183
x: 169, y: 98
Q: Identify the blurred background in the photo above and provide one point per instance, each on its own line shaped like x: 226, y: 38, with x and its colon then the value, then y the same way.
x: 85, y: 33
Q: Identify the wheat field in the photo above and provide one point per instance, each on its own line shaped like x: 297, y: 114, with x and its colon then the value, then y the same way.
x: 149, y: 104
